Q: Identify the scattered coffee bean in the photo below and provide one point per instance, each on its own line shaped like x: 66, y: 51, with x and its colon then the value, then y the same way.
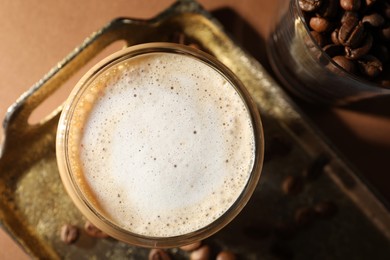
x: 93, y: 231
x: 69, y: 233
x: 370, y: 66
x: 309, y: 5
x: 304, y: 216
x: 325, y: 209
x: 316, y: 168
x: 158, y: 254
x: 350, y: 5
x: 226, y: 255
x: 191, y: 247
x: 292, y: 185
x: 202, y: 253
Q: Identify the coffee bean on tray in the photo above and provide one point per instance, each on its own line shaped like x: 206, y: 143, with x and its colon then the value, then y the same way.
x: 316, y: 167
x: 304, y: 216
x: 69, y: 233
x: 325, y: 209
x: 226, y: 255
x: 292, y: 185
x: 93, y: 231
x: 158, y: 254
x: 191, y: 247
x: 202, y: 253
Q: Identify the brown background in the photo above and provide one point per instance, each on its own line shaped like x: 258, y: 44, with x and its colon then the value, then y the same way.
x: 34, y: 36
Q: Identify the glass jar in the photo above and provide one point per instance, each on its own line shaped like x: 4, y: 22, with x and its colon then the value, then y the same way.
x: 305, y: 69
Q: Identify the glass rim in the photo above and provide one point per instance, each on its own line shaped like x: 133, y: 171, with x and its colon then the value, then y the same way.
x: 86, y: 207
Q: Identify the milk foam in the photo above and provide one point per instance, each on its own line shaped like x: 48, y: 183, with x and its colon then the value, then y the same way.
x: 162, y: 144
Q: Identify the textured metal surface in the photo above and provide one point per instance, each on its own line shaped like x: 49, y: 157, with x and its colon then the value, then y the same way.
x: 34, y: 205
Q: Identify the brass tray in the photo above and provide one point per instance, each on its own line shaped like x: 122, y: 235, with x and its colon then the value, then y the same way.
x: 34, y: 205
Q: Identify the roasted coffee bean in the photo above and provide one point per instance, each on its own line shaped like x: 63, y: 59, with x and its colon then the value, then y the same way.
x: 158, y: 254
x: 346, y: 64
x: 362, y: 50
x: 226, y: 255
x: 202, y: 253
x: 304, y: 216
x: 374, y: 20
x: 350, y: 5
x: 386, y: 9
x: 335, y: 37
x: 333, y: 50
x: 351, y: 32
x: 370, y: 2
x: 329, y: 8
x: 381, y: 52
x: 93, y: 231
x: 292, y: 185
x: 318, y: 38
x: 316, y: 168
x: 191, y: 247
x: 385, y: 33
x: 370, y: 66
x: 384, y: 83
x: 320, y: 24
x: 309, y: 5
x: 325, y: 209
x: 349, y: 16
x: 69, y: 233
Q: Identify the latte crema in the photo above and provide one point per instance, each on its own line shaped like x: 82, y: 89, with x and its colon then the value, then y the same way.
x: 161, y: 144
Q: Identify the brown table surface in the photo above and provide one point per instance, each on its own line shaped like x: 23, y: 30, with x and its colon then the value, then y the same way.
x: 35, y: 35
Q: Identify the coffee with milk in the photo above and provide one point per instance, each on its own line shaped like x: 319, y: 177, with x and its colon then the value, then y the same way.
x: 161, y: 144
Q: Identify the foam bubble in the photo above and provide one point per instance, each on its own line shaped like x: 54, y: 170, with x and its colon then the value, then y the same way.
x: 166, y: 146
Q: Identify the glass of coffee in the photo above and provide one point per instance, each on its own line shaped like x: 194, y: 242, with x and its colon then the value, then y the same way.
x: 160, y: 145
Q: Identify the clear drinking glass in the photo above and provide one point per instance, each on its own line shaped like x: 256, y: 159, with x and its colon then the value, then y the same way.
x: 305, y: 69
x: 85, y: 203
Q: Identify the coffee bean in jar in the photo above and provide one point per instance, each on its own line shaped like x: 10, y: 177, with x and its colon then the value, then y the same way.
x: 360, y: 28
x: 331, y: 52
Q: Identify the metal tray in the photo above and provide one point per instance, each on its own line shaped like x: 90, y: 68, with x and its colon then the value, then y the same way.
x: 34, y: 205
